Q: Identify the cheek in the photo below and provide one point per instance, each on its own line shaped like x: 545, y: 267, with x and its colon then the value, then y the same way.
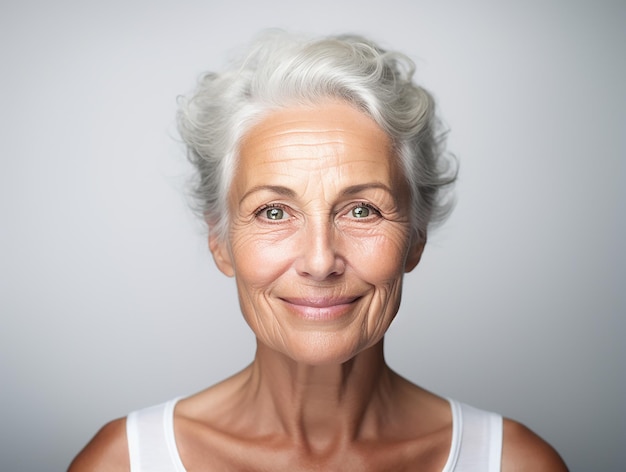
x: 258, y: 262
x: 379, y: 259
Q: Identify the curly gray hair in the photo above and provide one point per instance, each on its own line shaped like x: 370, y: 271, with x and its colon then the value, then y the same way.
x: 283, y: 70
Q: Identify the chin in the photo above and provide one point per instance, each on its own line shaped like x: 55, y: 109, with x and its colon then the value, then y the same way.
x: 321, y: 351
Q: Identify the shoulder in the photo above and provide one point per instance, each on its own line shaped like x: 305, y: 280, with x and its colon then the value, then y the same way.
x: 106, y: 452
x: 523, y: 450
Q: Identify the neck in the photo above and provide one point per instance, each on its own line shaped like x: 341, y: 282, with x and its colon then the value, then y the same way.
x: 318, y: 406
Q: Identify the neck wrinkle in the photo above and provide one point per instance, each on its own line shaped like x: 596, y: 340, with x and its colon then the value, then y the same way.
x: 322, y: 407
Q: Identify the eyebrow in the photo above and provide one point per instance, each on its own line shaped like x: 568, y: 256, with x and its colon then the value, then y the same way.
x: 290, y: 193
x: 354, y: 189
x: 278, y: 189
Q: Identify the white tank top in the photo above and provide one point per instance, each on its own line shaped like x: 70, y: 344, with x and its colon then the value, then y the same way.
x: 476, y: 440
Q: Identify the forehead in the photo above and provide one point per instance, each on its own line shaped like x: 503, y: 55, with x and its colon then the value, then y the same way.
x: 327, y: 137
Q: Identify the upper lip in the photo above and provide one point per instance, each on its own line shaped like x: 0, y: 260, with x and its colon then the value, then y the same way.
x: 319, y: 302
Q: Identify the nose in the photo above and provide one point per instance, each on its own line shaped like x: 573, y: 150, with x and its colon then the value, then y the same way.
x: 319, y: 256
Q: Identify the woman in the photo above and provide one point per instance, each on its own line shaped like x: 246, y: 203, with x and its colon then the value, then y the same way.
x: 320, y: 170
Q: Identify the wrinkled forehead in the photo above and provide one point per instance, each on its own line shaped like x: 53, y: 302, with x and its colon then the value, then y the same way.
x: 333, y: 136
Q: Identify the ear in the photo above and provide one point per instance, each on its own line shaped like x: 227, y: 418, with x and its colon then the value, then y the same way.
x: 418, y: 242
x: 221, y: 255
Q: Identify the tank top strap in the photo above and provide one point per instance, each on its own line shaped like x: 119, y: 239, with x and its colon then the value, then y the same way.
x: 476, y: 440
x: 151, y: 442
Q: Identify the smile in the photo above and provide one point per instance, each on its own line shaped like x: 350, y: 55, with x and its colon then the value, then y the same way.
x: 320, y: 309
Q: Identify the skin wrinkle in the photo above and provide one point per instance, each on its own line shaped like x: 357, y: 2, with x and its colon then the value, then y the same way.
x: 301, y: 382
x: 330, y: 167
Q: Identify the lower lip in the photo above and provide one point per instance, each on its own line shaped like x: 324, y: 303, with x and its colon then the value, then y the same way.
x: 315, y: 313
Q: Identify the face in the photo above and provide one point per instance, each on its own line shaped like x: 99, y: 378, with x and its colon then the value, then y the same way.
x: 319, y: 237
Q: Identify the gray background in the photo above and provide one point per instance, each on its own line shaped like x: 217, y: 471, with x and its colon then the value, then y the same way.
x: 108, y: 296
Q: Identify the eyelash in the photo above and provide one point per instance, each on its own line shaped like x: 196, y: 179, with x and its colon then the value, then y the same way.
x: 259, y: 211
x: 351, y: 207
x: 369, y: 206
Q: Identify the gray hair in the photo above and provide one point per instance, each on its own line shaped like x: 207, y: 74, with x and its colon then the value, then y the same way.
x: 283, y: 70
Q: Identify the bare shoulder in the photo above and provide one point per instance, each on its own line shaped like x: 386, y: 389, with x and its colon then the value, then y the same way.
x: 106, y: 452
x: 523, y: 450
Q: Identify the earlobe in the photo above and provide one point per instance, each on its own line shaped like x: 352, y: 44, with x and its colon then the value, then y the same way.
x: 221, y: 255
x: 418, y: 242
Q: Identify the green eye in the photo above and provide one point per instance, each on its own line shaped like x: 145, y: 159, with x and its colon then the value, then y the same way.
x: 361, y: 211
x: 274, y: 213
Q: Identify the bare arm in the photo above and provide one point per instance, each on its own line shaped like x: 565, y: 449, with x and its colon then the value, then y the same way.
x: 106, y: 452
x: 524, y: 451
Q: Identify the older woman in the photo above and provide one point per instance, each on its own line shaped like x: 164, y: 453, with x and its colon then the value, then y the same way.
x: 320, y: 170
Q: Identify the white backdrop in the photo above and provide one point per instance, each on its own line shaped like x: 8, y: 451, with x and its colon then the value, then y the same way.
x: 109, y: 299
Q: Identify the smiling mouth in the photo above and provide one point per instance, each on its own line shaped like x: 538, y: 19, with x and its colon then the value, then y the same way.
x: 320, y: 309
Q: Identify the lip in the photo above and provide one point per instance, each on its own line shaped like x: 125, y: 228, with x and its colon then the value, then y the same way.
x: 320, y: 309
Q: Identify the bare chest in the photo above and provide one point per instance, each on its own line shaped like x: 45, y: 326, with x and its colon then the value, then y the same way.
x: 427, y: 455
